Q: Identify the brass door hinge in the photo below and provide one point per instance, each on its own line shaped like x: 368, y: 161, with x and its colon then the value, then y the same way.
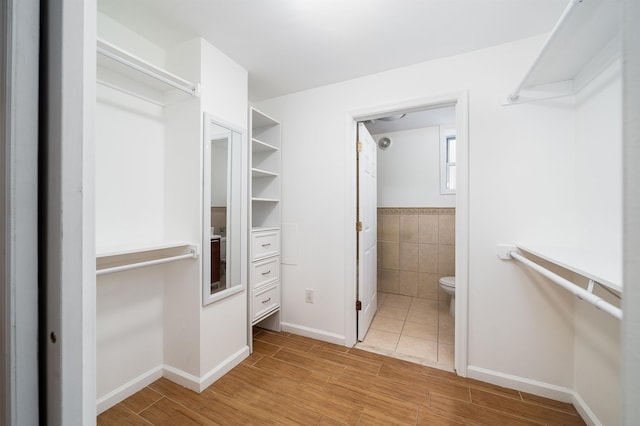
x: 358, y: 305
x: 359, y: 226
x: 359, y: 146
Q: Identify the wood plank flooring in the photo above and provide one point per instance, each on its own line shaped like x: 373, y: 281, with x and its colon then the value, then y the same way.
x: 293, y: 380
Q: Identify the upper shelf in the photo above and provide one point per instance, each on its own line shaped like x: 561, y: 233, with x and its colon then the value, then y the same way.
x: 260, y: 119
x: 116, y: 60
x: 132, y: 249
x: 595, y: 266
x: 259, y: 146
x: 258, y: 173
x: 116, y: 259
x: 581, y: 42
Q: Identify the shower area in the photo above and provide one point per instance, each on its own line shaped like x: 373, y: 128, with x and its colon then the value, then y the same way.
x: 415, y: 237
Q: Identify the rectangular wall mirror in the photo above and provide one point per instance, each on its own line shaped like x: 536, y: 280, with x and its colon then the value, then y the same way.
x: 224, y: 207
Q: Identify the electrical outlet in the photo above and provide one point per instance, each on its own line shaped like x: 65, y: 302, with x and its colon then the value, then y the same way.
x: 308, y: 295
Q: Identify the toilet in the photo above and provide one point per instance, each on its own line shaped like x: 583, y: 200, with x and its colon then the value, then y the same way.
x: 448, y: 284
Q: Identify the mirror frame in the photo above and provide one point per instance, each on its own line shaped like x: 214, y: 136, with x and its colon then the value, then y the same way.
x: 242, y: 237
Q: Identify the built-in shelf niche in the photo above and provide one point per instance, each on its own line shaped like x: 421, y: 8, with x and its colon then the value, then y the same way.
x: 265, y: 170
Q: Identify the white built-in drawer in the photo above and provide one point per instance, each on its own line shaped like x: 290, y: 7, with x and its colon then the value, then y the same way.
x: 266, y: 300
x: 264, y: 272
x: 265, y: 244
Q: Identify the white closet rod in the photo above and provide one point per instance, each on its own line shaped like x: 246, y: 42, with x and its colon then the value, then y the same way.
x: 582, y: 294
x: 187, y: 89
x: 192, y: 255
x: 514, y: 97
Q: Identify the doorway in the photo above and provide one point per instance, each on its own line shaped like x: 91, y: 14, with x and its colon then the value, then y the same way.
x: 419, y: 241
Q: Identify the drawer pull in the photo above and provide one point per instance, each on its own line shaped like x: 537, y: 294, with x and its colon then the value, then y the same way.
x: 265, y: 301
x: 266, y: 245
x: 266, y: 273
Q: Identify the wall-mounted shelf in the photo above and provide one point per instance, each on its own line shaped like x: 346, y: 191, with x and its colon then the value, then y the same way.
x: 598, y: 267
x: 583, y: 42
x: 265, y: 170
x: 117, y: 66
x: 259, y: 146
x: 117, y: 259
x: 258, y: 173
x: 575, y: 260
x: 265, y: 200
x: 260, y: 120
x: 595, y: 266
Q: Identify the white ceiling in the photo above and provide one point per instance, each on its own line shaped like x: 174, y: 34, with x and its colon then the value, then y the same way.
x: 293, y: 45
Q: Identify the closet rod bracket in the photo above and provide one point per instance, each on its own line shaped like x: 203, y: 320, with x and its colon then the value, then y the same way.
x: 504, y: 251
x: 196, y: 90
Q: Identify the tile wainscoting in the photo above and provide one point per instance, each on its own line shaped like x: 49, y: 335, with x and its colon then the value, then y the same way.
x: 416, y: 247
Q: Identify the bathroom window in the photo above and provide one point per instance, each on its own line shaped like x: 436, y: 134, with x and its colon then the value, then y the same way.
x: 448, y: 161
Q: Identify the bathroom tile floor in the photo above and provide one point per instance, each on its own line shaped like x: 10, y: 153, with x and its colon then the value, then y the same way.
x: 412, y: 329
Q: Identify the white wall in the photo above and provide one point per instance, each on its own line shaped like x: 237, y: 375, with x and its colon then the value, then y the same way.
x: 183, y: 209
x: 409, y: 170
x: 129, y: 326
x: 194, y: 340
x: 598, y: 162
x: 223, y: 332
x: 130, y: 157
x: 518, y: 169
x: 115, y: 33
x: 130, y: 209
x: 599, y: 200
x: 129, y: 169
x: 151, y: 321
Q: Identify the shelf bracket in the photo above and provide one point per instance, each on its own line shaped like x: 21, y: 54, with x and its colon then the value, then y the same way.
x: 541, y: 93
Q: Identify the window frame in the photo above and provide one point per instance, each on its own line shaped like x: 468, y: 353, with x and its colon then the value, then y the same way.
x: 446, y: 134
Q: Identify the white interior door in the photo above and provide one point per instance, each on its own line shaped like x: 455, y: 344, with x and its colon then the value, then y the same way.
x: 367, y: 236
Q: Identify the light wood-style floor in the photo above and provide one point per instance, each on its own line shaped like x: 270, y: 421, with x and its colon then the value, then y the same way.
x: 292, y: 380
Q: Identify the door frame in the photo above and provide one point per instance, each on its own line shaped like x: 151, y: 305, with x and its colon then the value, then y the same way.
x: 68, y: 266
x: 461, y: 100
x: 18, y: 211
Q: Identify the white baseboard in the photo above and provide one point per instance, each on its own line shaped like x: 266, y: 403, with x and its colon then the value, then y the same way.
x: 535, y: 387
x: 314, y: 333
x: 125, y: 391
x: 198, y: 384
x: 223, y: 368
x: 189, y: 381
x: 182, y: 378
x: 523, y: 384
x: 585, y: 412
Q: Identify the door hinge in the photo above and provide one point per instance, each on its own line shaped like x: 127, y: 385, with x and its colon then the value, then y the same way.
x: 358, y: 305
x: 359, y: 226
x: 359, y: 146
